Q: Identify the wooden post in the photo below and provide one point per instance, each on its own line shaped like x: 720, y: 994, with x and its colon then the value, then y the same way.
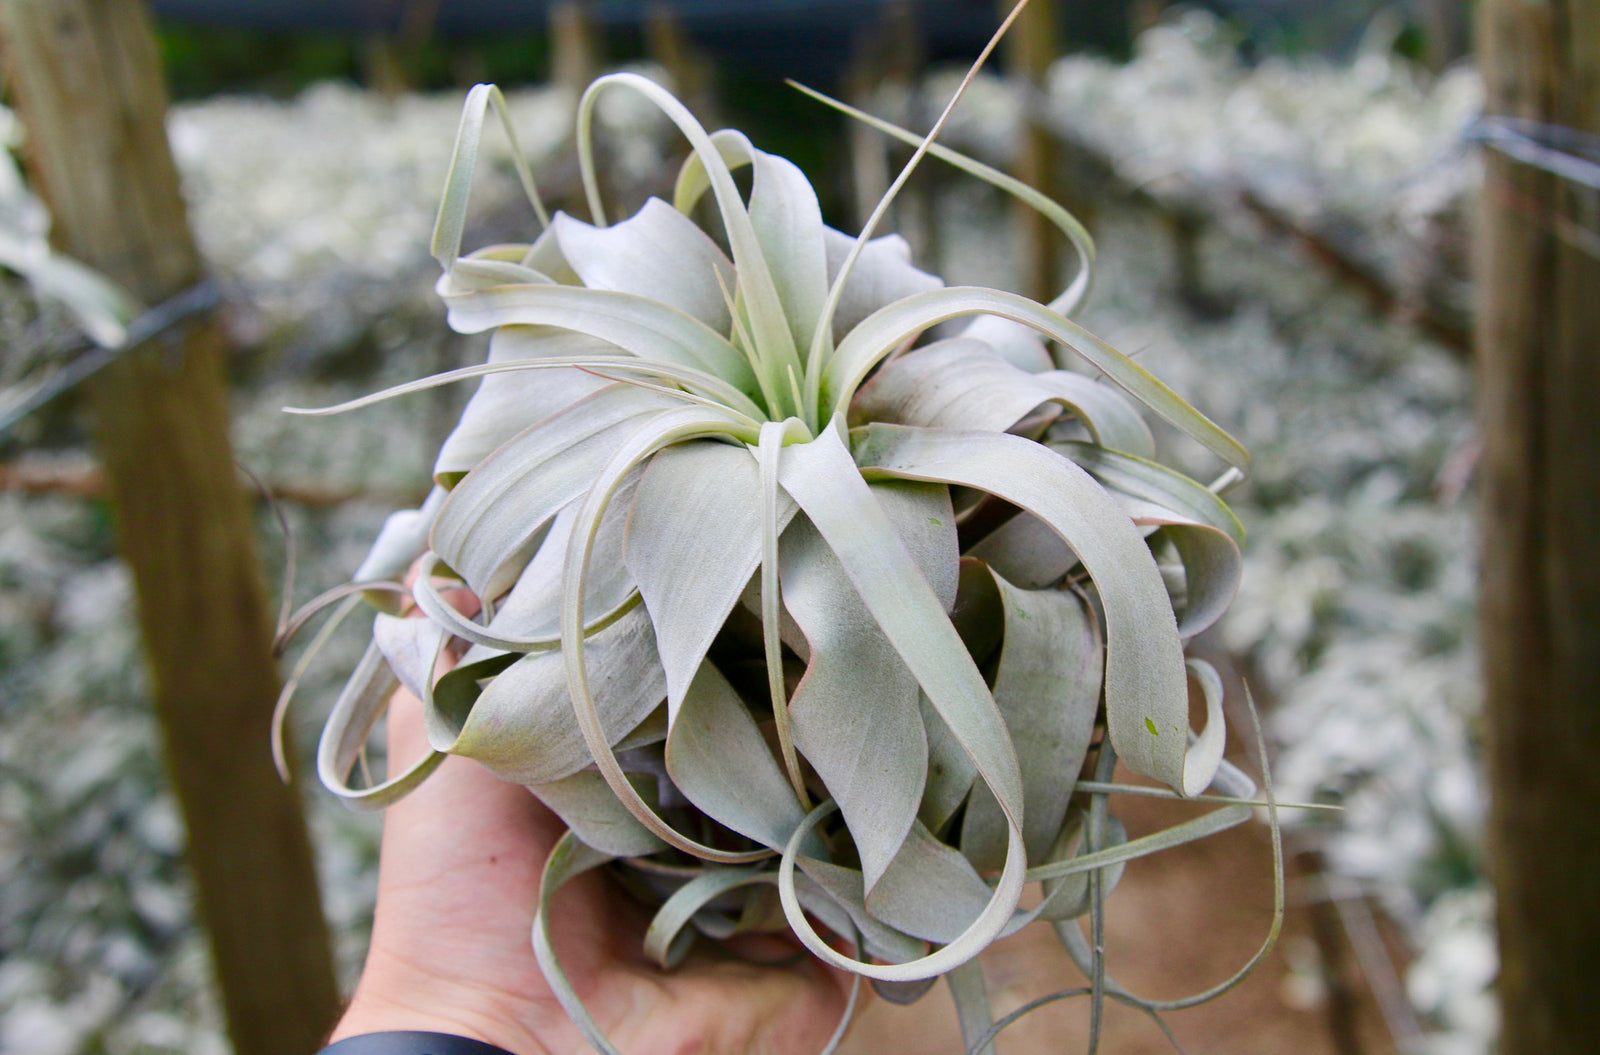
x: 869, y: 150
x: 1029, y: 49
x: 1538, y: 347
x: 666, y: 42
x: 574, y: 45
x: 884, y: 53
x: 86, y: 80
x: 1446, y: 31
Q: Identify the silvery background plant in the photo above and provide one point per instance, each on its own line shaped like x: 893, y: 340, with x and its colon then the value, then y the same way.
x: 796, y: 611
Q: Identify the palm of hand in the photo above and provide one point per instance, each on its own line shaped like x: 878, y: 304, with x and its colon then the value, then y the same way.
x: 458, y: 882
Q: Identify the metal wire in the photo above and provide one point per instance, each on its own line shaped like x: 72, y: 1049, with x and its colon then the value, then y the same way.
x: 175, y: 310
x: 1569, y: 153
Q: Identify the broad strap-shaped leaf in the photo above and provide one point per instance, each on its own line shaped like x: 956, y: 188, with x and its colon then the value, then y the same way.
x: 1208, y: 537
x: 829, y: 489
x: 646, y: 328
x: 890, y: 327
x: 487, y: 523
x: 843, y: 888
x: 788, y: 224
x: 961, y: 383
x: 925, y: 520
x: 930, y: 891
x: 506, y: 403
x: 854, y: 714
x: 958, y: 383
x: 671, y: 427
x: 995, y: 917
x: 787, y: 221
x: 950, y: 770
x: 657, y: 253
x: 522, y: 727
x: 1147, y: 703
x: 1105, y: 411
x: 1048, y: 689
x: 693, y: 542
x: 768, y: 449
x: 824, y: 481
x: 455, y: 691
x: 508, y: 264
x: 721, y: 763
x: 584, y: 802
x: 979, y: 614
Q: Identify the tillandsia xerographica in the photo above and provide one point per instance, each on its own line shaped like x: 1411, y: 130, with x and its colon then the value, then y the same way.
x: 775, y: 590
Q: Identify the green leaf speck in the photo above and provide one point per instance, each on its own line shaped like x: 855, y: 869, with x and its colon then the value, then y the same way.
x: 1150, y: 724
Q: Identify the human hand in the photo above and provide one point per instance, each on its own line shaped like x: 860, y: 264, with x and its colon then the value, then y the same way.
x: 451, y: 952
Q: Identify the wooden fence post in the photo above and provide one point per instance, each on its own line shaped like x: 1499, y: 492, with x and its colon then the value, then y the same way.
x: 575, y: 45
x: 1446, y: 31
x: 693, y: 77
x: 886, y: 52
x: 86, y: 80
x: 1538, y: 347
x: 1029, y: 49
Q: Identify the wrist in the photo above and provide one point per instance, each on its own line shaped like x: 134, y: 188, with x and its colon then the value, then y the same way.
x: 393, y: 996
x: 411, y: 1042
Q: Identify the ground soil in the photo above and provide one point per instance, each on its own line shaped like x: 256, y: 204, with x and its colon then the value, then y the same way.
x: 1178, y: 922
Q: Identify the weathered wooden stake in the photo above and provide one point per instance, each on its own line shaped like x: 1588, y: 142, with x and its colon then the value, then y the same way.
x: 693, y: 77
x: 1446, y: 31
x: 1538, y: 347
x: 575, y: 45
x: 1029, y: 49
x: 884, y: 53
x: 86, y: 80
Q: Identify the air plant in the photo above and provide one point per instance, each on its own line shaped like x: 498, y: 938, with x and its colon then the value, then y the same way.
x: 778, y: 590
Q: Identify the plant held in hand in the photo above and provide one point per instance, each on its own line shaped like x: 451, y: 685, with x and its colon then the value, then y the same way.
x: 795, y: 615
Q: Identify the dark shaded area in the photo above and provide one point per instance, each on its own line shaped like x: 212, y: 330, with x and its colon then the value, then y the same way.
x: 278, y: 46
x: 463, y: 17
x: 274, y: 44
